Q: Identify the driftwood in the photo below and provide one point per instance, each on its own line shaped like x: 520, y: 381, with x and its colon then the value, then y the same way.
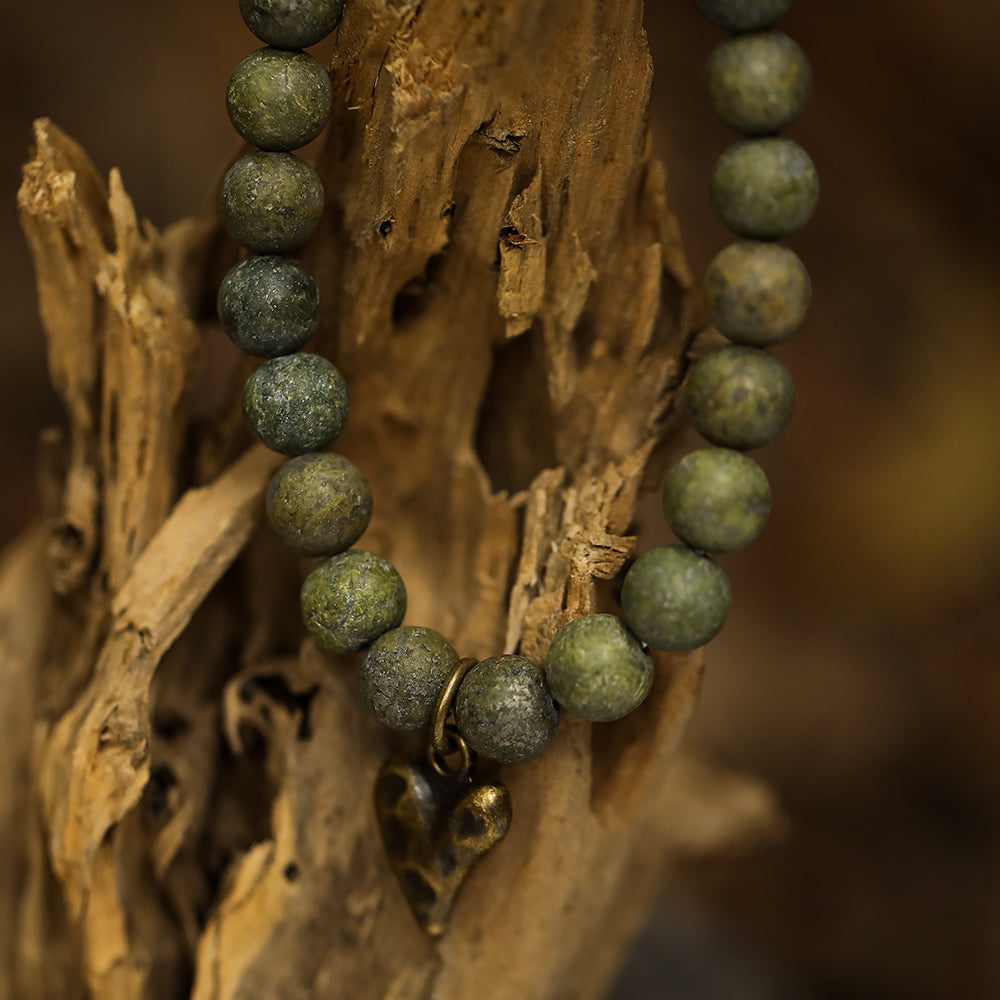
x: 505, y: 291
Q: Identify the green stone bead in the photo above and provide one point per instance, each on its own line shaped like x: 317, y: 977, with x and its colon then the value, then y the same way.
x: 271, y: 202
x: 743, y: 15
x: 291, y: 24
x: 716, y: 499
x: 765, y: 189
x: 674, y: 598
x: 504, y: 709
x: 295, y: 404
x: 319, y: 504
x: 758, y: 84
x: 279, y: 100
x: 758, y: 293
x: 597, y: 669
x: 403, y: 673
x: 740, y: 397
x: 269, y: 306
x: 348, y: 601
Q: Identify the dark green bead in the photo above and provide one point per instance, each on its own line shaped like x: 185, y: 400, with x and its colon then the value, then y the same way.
x: 674, y: 598
x: 403, y: 674
x: 291, y: 24
x: 758, y: 293
x: 279, y: 100
x: 597, y: 669
x: 765, y: 189
x: 319, y: 504
x: 271, y: 202
x: 758, y: 84
x: 504, y: 709
x: 716, y: 499
x: 269, y: 306
x: 348, y: 601
x: 740, y: 397
x: 743, y: 15
x: 295, y: 404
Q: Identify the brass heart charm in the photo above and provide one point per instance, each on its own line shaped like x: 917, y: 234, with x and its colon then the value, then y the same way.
x: 435, y: 828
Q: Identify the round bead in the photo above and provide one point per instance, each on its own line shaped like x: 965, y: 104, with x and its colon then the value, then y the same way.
x: 596, y: 668
x: 295, y: 404
x: 504, y: 709
x: 740, y: 397
x: 743, y: 15
x: 765, y: 188
x: 319, y: 504
x: 351, y: 599
x: 716, y: 499
x: 758, y: 293
x: 758, y: 84
x: 291, y: 24
x: 675, y: 598
x: 271, y: 202
x: 403, y: 673
x: 269, y: 306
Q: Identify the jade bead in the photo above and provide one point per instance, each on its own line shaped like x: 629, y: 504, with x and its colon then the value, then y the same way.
x: 716, y: 499
x: 765, y: 189
x: 319, y: 504
x: 674, y: 598
x: 403, y: 673
x: 758, y: 293
x: 740, y: 397
x: 504, y: 709
x: 351, y: 599
x: 296, y: 404
x: 291, y: 24
x: 743, y: 15
x: 271, y: 202
x: 597, y: 669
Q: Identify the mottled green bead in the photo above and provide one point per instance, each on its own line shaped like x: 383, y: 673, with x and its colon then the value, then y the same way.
x: 319, y: 504
x: 743, y: 15
x: 291, y: 24
x: 765, y: 189
x: 504, y: 709
x: 348, y: 601
x: 740, y: 397
x: 296, y: 404
x: 758, y: 84
x: 674, y: 598
x: 269, y: 306
x: 597, y: 669
x: 271, y: 202
x: 403, y: 673
x: 716, y: 499
x: 758, y: 293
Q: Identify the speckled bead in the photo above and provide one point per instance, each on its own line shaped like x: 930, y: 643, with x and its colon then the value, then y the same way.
x: 348, y: 601
x: 596, y: 668
x: 765, y: 189
x: 743, y: 15
x: 295, y: 404
x: 716, y: 499
x: 504, y: 709
x: 291, y: 24
x: 403, y: 673
x: 674, y: 598
x: 271, y: 202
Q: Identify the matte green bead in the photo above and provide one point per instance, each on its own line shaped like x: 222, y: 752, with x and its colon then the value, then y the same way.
x: 348, y: 601
x: 295, y: 404
x: 504, y: 709
x: 758, y: 293
x: 674, y: 598
x: 597, y: 669
x: 758, y: 84
x: 740, y: 397
x: 291, y: 24
x: 716, y: 499
x: 743, y: 15
x: 765, y: 189
x: 403, y: 673
x: 269, y: 306
x: 319, y: 504
x: 271, y: 202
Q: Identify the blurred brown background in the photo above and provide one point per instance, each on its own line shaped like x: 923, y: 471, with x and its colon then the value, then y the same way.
x: 858, y: 672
